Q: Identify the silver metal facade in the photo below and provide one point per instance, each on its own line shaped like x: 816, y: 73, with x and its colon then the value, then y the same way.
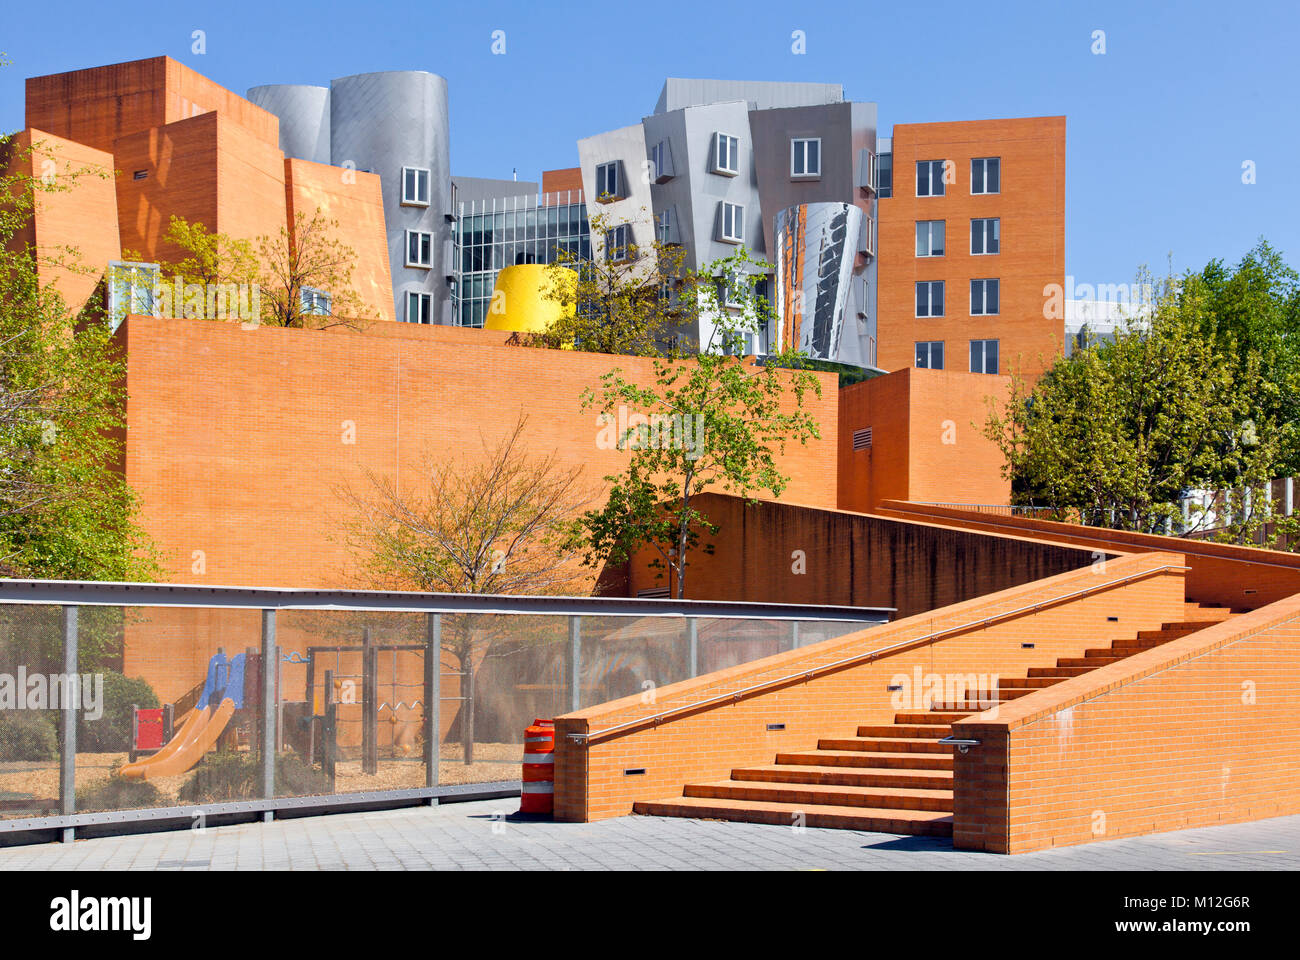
x: 816, y: 298
x: 304, y: 113
x: 382, y: 123
x: 765, y: 119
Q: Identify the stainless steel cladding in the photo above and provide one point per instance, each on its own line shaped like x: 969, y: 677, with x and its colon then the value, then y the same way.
x: 817, y: 248
x: 304, y: 113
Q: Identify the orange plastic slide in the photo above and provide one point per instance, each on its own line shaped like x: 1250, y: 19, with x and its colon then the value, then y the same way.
x: 195, y: 738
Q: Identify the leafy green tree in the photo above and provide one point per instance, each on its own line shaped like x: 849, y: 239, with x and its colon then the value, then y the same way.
x: 710, y: 421
x: 65, y: 509
x: 1118, y: 432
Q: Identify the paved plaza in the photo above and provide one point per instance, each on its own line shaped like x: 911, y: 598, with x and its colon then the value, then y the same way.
x: 481, y: 835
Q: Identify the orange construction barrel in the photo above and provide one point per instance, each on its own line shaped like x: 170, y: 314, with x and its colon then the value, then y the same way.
x: 539, y: 768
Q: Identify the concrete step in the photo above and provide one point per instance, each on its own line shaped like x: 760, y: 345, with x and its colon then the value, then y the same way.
x: 823, y: 794
x: 967, y: 708
x: 1089, y: 662
x: 849, y: 757
x: 936, y: 730
x: 1012, y: 683
x: 1061, y: 673
x: 903, y: 744
x: 931, y: 717
x: 847, y: 776
x: 913, y: 822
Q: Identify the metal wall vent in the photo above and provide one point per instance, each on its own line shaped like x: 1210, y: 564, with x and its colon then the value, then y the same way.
x: 862, y: 439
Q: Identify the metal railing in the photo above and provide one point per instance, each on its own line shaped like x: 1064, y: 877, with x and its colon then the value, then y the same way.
x: 820, y: 669
x: 576, y: 650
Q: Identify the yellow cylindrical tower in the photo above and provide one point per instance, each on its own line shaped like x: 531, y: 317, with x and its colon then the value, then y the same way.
x: 525, y: 298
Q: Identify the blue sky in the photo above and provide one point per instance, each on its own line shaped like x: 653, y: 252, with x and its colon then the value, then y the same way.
x: 1158, y: 127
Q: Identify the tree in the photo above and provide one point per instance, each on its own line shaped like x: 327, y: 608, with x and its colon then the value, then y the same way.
x: 622, y: 303
x: 1118, y: 432
x: 503, y: 523
x: 65, y: 509
x: 711, y: 421
x: 303, y: 274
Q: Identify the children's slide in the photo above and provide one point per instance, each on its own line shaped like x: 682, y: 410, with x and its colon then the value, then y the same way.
x: 223, y: 694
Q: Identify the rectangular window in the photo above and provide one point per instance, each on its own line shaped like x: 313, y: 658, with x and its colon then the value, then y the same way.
x: 661, y: 162
x: 985, y: 236
x: 885, y: 175
x: 419, y: 248
x: 929, y: 178
x: 986, y: 175
x: 983, y: 298
x: 419, y: 307
x: 666, y: 226
x: 732, y: 222
x: 806, y: 157
x: 415, y: 187
x: 983, y: 356
x: 929, y: 238
x: 618, y: 243
x: 929, y: 298
x: 315, y: 301
x: 929, y: 354
x: 726, y: 155
x: 609, y: 185
x: 131, y: 288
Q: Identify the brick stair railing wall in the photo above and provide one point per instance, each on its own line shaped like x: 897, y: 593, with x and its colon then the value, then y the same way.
x: 591, y: 782
x: 1196, y: 731
x: 1243, y: 578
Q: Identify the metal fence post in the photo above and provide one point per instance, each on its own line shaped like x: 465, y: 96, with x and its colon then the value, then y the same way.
x: 575, y: 662
x: 433, y: 686
x: 794, y: 634
x: 270, y: 657
x: 693, y: 632
x: 68, y: 723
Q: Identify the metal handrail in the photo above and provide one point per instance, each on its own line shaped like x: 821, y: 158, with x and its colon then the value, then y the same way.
x: 812, y: 672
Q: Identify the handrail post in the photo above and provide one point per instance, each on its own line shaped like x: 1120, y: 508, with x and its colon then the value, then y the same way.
x: 68, y: 722
x: 270, y: 658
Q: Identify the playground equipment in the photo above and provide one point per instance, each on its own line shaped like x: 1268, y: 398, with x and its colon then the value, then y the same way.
x: 151, y: 727
x: 222, y: 697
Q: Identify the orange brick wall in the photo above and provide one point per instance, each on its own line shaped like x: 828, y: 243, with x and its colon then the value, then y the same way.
x: 1195, y: 732
x: 101, y: 104
x: 850, y: 559
x: 559, y: 181
x: 357, y: 205
x: 1031, y: 207
x: 237, y: 439
x: 1244, y: 578
x: 707, y: 743
x: 927, y: 439
x: 81, y: 212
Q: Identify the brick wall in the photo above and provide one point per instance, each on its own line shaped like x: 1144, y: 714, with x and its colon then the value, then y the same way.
x: 1197, y: 731
x: 237, y: 440
x: 788, y: 553
x: 1240, y: 577
x: 1031, y: 207
x: 707, y: 743
x: 927, y: 439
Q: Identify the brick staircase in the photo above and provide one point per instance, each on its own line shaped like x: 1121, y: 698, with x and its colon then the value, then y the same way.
x: 890, y: 778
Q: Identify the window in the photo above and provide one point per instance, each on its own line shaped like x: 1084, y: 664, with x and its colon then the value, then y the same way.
x: 929, y: 298
x: 983, y: 356
x: 131, y: 290
x: 983, y: 298
x: 929, y: 178
x: 609, y: 184
x: 885, y: 175
x: 419, y: 307
x: 929, y: 354
x: 732, y: 222
x: 866, y: 171
x: 316, y: 302
x: 726, y: 155
x: 929, y: 238
x: 986, y: 175
x: 419, y: 248
x: 985, y: 236
x: 666, y: 226
x: 618, y: 243
x: 661, y: 162
x: 806, y: 157
x: 415, y: 187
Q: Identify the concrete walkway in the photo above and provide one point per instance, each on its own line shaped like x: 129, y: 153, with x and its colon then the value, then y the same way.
x: 480, y: 836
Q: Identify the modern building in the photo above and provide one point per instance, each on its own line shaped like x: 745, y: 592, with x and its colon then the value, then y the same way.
x: 393, y: 124
x: 784, y: 170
